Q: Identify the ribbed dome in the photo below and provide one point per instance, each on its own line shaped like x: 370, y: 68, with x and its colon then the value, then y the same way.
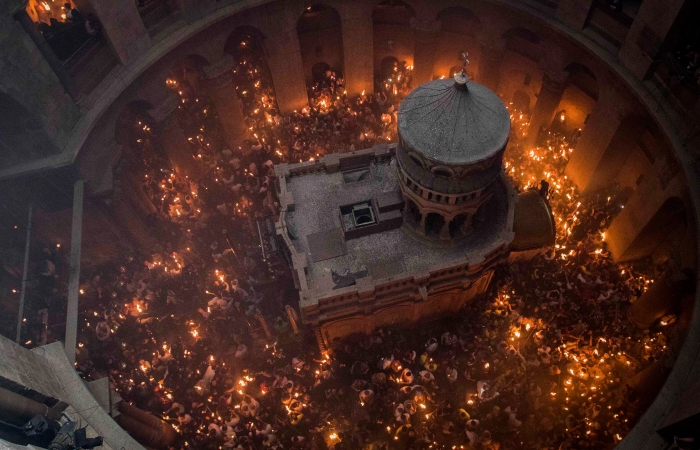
x: 452, y: 123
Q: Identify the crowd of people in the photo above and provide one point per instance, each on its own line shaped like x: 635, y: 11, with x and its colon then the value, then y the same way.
x: 332, y: 123
x: 210, y: 289
x: 46, y: 282
x: 199, y: 333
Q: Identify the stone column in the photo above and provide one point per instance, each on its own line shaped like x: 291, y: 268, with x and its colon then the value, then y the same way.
x: 358, y: 48
x: 426, y: 33
x: 490, y: 64
x: 445, y: 230
x: 121, y: 25
x: 179, y: 150
x: 467, y: 225
x: 421, y: 227
x: 550, y: 95
x: 595, y: 139
x: 287, y: 69
x: 637, y: 229
x: 624, y: 143
x: 574, y: 12
x: 647, y: 35
x: 228, y: 105
x: 76, y: 243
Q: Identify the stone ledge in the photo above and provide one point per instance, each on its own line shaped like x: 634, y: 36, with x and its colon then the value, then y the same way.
x: 85, y: 405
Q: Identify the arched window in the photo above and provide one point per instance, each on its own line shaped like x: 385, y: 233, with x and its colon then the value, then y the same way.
x: 321, y: 43
x: 442, y: 172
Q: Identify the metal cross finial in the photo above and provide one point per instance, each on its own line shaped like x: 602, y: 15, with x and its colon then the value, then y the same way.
x: 464, y: 57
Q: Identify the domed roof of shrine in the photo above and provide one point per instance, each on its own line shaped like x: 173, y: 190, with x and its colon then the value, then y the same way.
x: 454, y: 121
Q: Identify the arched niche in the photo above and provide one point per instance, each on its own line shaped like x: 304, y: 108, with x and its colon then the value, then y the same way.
x: 441, y: 171
x: 189, y: 70
x: 578, y: 100
x: 393, y: 35
x: 319, y: 30
x: 245, y: 44
x: 459, y: 20
x: 187, y: 80
x: 434, y: 222
x: 520, y: 68
x: 135, y: 130
x: 459, y: 28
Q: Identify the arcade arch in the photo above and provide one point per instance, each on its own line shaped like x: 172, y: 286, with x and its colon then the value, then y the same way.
x: 393, y: 35
x: 321, y: 41
x: 459, y: 28
x: 578, y: 99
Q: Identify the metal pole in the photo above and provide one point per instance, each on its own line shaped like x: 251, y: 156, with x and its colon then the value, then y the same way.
x: 20, y: 316
x: 74, y: 283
